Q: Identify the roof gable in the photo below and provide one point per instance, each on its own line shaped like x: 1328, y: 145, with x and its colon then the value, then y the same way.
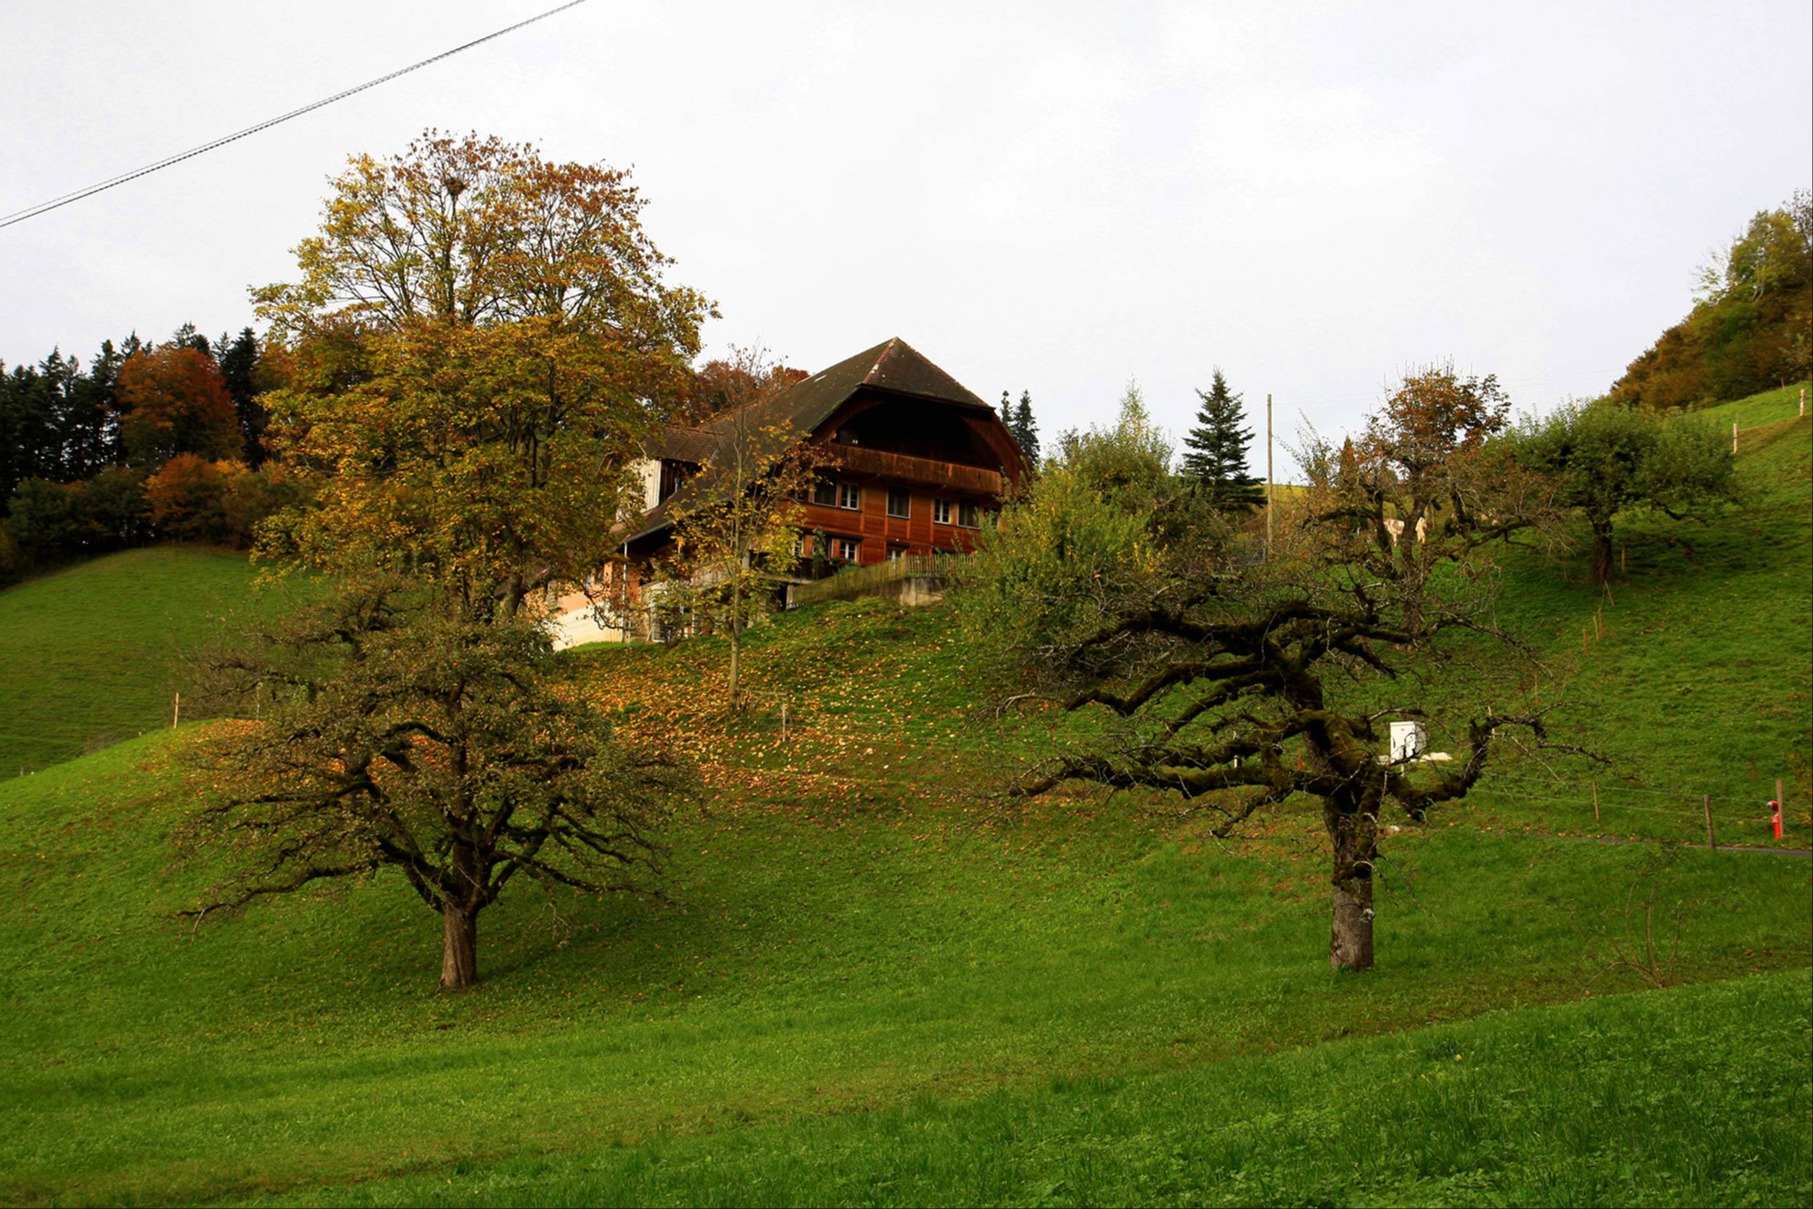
x: 893, y: 366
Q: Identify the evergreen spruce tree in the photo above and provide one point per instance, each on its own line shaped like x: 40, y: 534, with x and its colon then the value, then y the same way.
x: 1215, y: 450
x: 238, y: 361
x: 1025, y: 428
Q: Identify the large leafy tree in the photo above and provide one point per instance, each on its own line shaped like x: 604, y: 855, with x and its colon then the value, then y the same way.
x: 1606, y: 458
x: 1241, y: 683
x: 724, y: 383
x: 430, y: 746
x: 476, y: 341
x: 1751, y: 327
x: 175, y: 402
x: 1215, y: 450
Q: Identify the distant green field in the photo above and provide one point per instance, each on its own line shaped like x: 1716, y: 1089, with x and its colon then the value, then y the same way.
x: 875, y: 984
x: 94, y: 654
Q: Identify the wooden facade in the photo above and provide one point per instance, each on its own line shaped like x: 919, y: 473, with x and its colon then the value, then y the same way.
x: 915, y: 460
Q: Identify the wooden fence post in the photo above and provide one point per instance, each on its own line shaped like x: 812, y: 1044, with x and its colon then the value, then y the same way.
x: 1595, y: 801
x: 176, y: 710
x: 1712, y: 843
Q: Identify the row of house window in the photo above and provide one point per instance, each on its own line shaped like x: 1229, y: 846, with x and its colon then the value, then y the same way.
x: 845, y: 549
x: 900, y: 504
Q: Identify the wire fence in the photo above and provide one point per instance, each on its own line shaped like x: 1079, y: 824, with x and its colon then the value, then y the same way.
x: 1659, y: 812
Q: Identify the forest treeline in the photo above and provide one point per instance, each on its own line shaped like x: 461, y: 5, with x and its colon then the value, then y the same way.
x: 144, y: 441
x: 1751, y: 327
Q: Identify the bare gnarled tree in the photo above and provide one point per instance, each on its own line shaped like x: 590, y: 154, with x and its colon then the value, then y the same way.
x: 1241, y: 680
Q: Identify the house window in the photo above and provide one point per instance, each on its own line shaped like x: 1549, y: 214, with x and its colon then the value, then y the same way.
x: 825, y: 493
x: 672, y: 475
x: 849, y: 495
x: 941, y: 511
x: 900, y: 502
x: 846, y: 548
x: 969, y: 515
x: 896, y: 553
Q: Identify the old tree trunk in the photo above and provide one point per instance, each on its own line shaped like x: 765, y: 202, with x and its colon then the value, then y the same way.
x: 462, y: 891
x: 1350, y: 782
x: 1355, y: 838
x: 459, y: 960
x: 1602, y: 549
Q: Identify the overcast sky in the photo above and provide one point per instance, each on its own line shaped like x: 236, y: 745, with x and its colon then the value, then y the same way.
x: 1047, y: 197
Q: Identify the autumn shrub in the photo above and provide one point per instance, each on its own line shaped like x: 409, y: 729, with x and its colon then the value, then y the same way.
x: 254, y: 496
x: 116, y: 511
x: 187, y: 498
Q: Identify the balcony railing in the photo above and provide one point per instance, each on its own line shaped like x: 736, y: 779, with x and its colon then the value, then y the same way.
x: 927, y: 471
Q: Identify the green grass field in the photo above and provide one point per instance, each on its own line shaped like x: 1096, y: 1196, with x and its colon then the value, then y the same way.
x: 1694, y: 674
x: 874, y: 985
x: 94, y: 653
x: 1674, y: 1098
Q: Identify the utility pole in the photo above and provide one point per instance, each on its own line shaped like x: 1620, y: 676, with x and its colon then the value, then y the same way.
x: 1268, y: 477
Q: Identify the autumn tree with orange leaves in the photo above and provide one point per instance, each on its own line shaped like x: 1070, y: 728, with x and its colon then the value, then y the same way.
x: 174, y: 401
x: 475, y: 343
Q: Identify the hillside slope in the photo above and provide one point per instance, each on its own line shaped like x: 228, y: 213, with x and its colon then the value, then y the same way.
x: 94, y: 653
x: 865, y: 954
x: 1693, y: 670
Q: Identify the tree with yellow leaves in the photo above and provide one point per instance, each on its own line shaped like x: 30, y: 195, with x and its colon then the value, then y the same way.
x: 475, y: 343
x: 477, y: 340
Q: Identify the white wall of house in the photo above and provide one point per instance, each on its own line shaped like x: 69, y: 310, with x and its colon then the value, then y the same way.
x: 648, y: 470
x: 583, y: 627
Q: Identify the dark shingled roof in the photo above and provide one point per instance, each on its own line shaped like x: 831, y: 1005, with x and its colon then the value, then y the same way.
x: 893, y: 366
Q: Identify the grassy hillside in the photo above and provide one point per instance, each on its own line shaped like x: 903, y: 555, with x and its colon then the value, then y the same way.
x: 93, y: 654
x: 874, y: 985
x: 1693, y: 670
x: 821, y: 960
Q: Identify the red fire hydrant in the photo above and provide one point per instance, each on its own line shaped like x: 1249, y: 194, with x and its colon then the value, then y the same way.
x: 1775, y: 816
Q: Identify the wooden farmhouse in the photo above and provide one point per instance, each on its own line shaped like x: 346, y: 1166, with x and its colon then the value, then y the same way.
x: 913, y: 462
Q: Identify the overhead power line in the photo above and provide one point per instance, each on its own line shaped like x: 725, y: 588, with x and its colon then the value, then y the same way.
x: 19, y: 216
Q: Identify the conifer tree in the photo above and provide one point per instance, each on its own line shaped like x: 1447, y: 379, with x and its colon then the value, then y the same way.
x: 1215, y: 450
x: 1024, y: 427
